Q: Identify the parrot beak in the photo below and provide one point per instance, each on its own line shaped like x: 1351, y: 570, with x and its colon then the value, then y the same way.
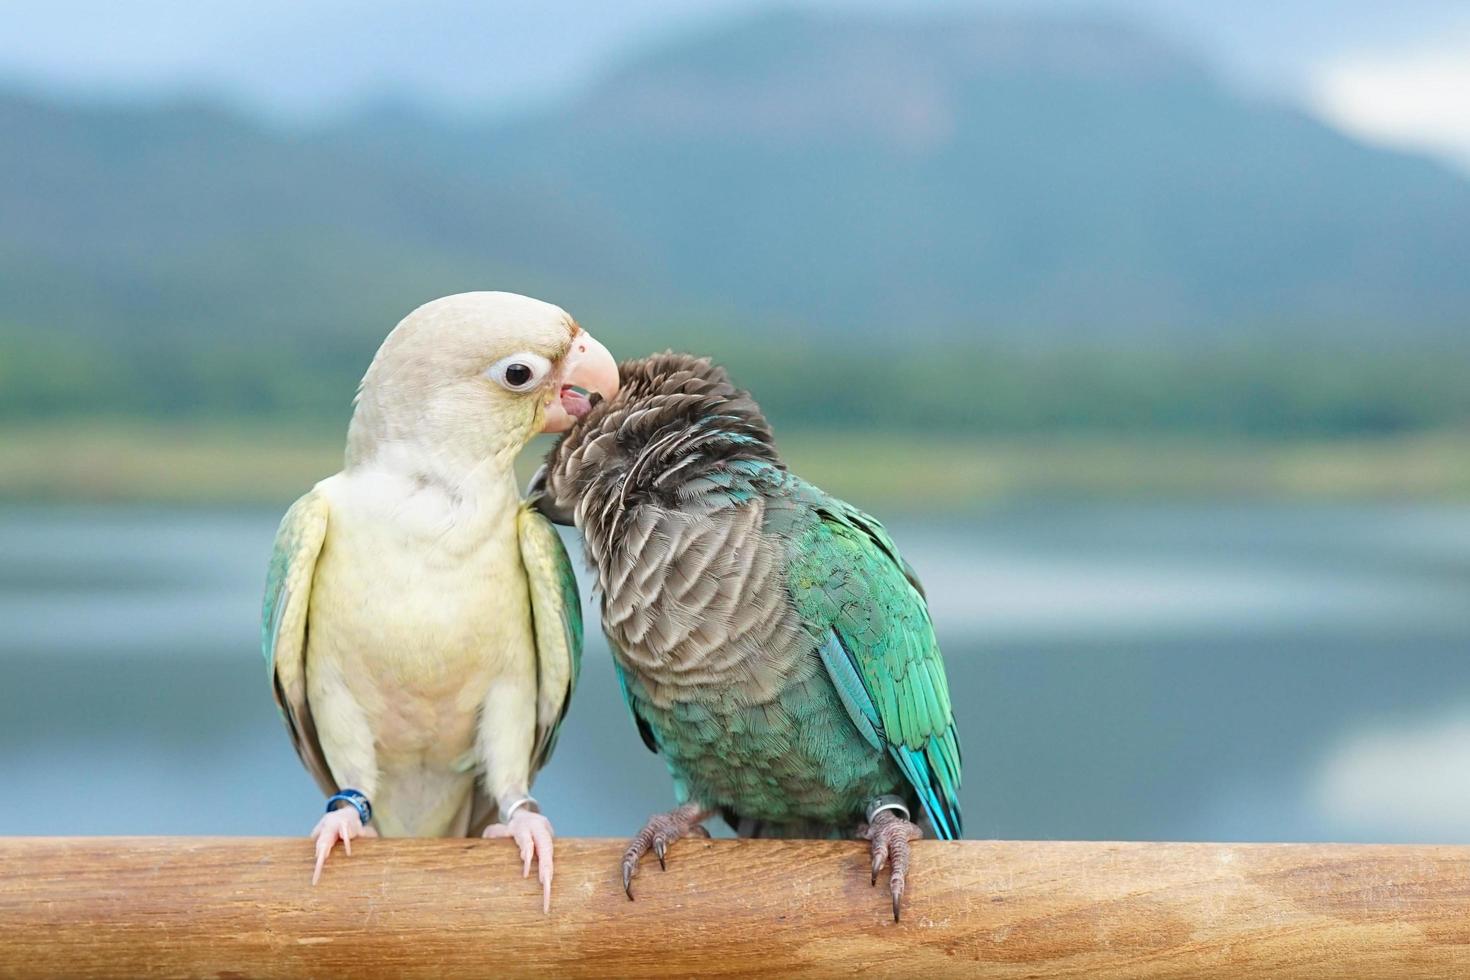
x: 536, y: 497
x: 537, y: 486
x: 587, y: 365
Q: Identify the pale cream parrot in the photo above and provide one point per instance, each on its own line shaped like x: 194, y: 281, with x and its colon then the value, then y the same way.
x: 422, y: 625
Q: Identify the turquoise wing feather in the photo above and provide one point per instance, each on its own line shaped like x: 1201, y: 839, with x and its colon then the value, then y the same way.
x: 846, y: 576
x: 645, y: 731
x: 556, y: 611
x: 284, y: 626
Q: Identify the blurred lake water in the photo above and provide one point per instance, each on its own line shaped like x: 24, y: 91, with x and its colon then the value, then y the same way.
x: 1234, y: 672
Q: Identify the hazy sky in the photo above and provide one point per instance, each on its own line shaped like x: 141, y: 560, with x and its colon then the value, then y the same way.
x: 1392, y: 70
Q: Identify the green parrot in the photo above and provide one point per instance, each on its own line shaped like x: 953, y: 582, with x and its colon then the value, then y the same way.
x: 422, y: 627
x: 771, y: 643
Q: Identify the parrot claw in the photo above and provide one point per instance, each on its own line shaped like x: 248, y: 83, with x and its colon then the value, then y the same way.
x: 534, y: 837
x: 341, y: 824
x: 890, y: 835
x: 662, y: 830
x: 661, y: 849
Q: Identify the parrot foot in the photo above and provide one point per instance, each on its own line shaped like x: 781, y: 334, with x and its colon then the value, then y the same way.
x: 662, y: 830
x: 342, y: 824
x: 890, y: 834
x: 533, y: 835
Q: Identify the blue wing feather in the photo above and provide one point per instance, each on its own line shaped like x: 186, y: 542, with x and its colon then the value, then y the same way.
x: 882, y: 655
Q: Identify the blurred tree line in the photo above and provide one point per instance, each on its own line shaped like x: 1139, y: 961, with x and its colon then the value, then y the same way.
x: 1259, y: 389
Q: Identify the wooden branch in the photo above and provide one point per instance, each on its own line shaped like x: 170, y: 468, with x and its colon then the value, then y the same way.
x: 244, y: 907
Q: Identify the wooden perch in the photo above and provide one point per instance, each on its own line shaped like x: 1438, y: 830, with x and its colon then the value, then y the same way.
x: 244, y: 907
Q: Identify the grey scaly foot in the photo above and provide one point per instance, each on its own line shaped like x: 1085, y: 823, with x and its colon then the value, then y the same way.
x: 889, y: 830
x: 662, y: 830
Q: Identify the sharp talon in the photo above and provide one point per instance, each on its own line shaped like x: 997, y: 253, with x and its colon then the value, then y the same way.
x: 658, y: 835
x: 890, y: 836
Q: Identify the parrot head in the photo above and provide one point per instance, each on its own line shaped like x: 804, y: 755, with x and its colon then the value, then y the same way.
x: 673, y: 413
x: 479, y: 374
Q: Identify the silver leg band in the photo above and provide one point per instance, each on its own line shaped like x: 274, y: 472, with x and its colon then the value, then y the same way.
x: 527, y: 803
x: 889, y: 802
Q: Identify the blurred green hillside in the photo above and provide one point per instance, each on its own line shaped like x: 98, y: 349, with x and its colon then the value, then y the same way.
x: 854, y: 384
x: 243, y: 464
x: 984, y: 228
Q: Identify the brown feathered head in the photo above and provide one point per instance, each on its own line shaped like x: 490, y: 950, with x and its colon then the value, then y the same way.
x: 674, y: 418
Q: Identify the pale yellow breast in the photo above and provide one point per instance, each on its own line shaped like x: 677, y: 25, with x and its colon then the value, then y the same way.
x: 420, y: 619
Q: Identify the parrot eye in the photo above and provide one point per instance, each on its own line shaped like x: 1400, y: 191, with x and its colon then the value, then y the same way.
x: 519, y: 372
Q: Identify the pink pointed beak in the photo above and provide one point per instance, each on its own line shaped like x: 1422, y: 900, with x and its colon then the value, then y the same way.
x: 589, y: 366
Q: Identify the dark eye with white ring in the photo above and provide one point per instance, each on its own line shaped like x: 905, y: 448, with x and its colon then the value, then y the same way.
x: 519, y: 372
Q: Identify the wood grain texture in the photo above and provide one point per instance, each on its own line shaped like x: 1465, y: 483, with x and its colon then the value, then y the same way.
x: 232, y: 907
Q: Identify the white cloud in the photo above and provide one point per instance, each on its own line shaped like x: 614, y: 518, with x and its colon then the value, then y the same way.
x: 1403, y: 782
x: 1415, y: 97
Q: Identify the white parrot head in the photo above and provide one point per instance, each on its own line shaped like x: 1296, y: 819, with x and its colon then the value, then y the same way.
x: 479, y: 374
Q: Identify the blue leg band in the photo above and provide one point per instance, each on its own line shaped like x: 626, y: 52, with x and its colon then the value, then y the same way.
x: 355, y: 799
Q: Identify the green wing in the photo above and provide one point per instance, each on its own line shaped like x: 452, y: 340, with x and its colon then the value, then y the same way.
x: 284, y: 626
x: 645, y: 730
x: 556, y: 612
x: 882, y: 655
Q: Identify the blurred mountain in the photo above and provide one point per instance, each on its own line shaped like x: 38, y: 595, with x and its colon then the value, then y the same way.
x: 1004, y: 174
x: 1017, y: 178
